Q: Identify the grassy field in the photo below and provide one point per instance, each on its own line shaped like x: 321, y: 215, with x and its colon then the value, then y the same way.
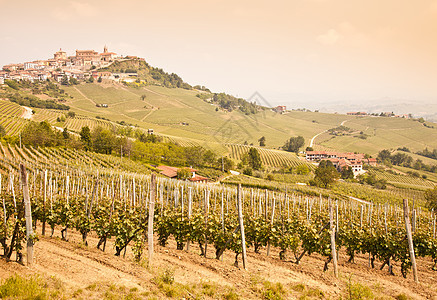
x: 382, y: 133
x: 179, y: 116
x: 178, y: 112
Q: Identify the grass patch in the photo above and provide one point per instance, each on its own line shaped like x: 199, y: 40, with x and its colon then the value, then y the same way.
x: 32, y: 287
x: 273, y: 291
x: 307, y: 292
x: 359, y: 291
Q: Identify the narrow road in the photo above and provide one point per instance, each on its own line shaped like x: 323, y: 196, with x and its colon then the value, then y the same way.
x: 83, y: 95
x: 314, y: 137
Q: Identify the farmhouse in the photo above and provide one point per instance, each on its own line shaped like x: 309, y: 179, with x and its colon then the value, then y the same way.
x: 172, y: 172
x: 280, y: 109
x: 340, y: 163
x: 341, y: 160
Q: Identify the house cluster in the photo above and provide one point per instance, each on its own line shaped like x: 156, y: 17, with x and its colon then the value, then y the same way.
x: 172, y: 172
x: 79, y: 66
x: 280, y: 109
x: 341, y: 160
x: 383, y: 114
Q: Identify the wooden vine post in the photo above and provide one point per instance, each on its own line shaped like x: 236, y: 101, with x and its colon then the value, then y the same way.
x: 28, y: 215
x: 151, y: 216
x: 410, y: 240
x: 44, y: 204
x: 333, y: 248
x: 240, y: 219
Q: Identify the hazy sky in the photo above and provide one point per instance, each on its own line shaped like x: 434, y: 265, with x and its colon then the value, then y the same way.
x: 292, y: 52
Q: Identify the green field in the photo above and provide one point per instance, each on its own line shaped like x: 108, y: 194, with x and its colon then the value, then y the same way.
x: 178, y: 112
x: 383, y: 133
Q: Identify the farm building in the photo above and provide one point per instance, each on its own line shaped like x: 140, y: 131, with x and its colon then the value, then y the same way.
x: 172, y: 172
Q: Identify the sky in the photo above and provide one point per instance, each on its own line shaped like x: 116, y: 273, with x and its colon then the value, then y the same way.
x: 300, y: 53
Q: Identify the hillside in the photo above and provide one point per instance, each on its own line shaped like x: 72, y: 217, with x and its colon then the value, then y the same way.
x: 71, y: 270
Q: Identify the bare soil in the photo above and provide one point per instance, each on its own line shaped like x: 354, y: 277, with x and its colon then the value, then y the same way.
x: 78, y: 267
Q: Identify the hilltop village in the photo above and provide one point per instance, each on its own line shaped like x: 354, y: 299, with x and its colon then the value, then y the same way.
x: 82, y: 65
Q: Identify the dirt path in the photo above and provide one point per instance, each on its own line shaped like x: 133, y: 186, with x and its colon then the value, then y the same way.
x: 320, y: 133
x: 83, y: 95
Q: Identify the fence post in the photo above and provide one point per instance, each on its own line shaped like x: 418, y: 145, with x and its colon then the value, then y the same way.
x: 410, y: 240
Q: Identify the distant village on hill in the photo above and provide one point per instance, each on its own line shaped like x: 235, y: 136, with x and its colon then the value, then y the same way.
x: 87, y: 64
x: 81, y: 66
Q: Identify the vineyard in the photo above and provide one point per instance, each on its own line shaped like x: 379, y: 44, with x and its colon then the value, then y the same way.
x: 118, y: 206
x: 76, y: 123
x: 10, y: 117
x: 403, y: 181
x: 269, y: 157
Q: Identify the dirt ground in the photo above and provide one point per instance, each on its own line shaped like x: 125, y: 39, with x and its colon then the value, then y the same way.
x: 78, y: 267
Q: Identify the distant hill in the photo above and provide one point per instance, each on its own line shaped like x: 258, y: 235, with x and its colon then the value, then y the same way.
x: 147, y: 73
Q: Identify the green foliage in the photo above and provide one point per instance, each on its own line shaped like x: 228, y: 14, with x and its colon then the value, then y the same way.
x: 230, y: 103
x: 294, y: 144
x: 325, y: 174
x: 273, y: 291
x: 17, y: 287
x: 359, y: 291
x: 40, y: 134
x: 33, y: 101
x: 253, y: 159
x: 85, y: 137
x: 262, y: 141
x: 302, y: 170
x: 148, y: 73
x: 12, y: 84
x: 347, y: 173
x: 184, y: 173
x: 431, y: 198
x: 103, y: 140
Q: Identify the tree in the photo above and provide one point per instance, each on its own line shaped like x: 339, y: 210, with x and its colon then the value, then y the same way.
x: 254, y: 159
x: 103, y: 140
x: 325, y: 174
x: 384, y: 156
x: 209, y: 158
x: 226, y: 163
x: 302, y: 170
x: 294, y: 144
x: 39, y: 134
x: 262, y: 141
x: 309, y: 149
x: 143, y: 97
x: 73, y: 81
x: 85, y: 137
x: 99, y: 80
x: 183, y: 173
x: 65, y: 80
x: 431, y: 198
x: 347, y: 173
x: 65, y: 134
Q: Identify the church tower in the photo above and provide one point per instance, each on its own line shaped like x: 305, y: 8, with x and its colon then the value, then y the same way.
x: 105, y: 49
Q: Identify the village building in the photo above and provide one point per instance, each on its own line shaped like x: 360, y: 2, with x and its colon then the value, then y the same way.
x: 172, y: 172
x: 280, y: 109
x: 107, y: 56
x: 87, y: 58
x: 341, y: 160
x: 60, y: 55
